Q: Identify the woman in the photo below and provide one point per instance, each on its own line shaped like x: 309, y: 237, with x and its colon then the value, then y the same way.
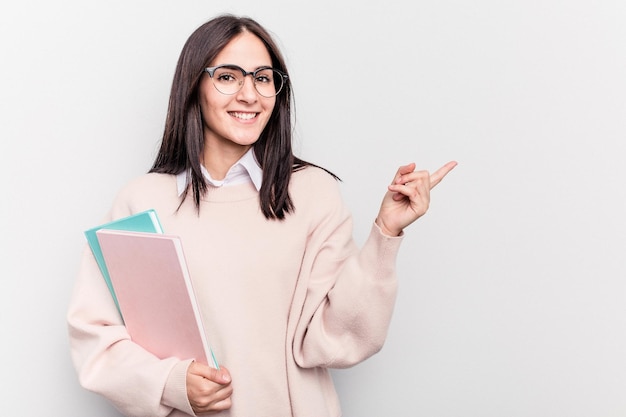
x: 284, y: 291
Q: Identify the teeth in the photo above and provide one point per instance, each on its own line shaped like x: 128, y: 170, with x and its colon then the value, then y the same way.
x: 244, y: 116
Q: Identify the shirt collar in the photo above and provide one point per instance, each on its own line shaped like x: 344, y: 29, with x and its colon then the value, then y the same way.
x: 245, y: 170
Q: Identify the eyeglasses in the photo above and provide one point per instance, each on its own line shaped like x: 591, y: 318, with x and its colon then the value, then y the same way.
x: 228, y: 79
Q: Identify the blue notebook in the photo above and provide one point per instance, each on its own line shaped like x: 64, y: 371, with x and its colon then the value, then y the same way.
x: 145, y: 221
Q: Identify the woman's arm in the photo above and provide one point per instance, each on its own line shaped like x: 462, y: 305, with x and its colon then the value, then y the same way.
x: 351, y: 292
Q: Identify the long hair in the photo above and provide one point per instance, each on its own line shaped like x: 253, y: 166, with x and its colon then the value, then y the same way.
x: 183, y: 139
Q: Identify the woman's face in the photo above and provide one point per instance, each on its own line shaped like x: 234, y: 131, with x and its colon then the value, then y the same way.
x: 235, y: 122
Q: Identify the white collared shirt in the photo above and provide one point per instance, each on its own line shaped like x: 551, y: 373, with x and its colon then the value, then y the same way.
x: 245, y: 170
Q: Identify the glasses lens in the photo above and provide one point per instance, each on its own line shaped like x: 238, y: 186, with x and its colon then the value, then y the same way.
x: 227, y: 80
x: 268, y: 82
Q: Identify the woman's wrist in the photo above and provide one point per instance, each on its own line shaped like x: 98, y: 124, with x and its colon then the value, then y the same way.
x: 386, y: 231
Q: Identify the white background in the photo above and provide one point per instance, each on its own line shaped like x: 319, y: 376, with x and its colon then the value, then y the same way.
x: 513, y: 287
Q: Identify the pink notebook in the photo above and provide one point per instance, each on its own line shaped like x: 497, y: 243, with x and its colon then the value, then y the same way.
x: 155, y: 293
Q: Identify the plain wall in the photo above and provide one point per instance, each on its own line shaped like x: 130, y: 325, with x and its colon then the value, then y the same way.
x: 512, y: 287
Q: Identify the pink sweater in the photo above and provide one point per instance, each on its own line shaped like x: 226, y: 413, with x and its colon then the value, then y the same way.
x: 281, y: 301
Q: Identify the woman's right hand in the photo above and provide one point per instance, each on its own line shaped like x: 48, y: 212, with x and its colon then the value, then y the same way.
x: 208, y: 389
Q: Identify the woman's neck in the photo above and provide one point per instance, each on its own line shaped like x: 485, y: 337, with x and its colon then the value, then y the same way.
x: 218, y: 160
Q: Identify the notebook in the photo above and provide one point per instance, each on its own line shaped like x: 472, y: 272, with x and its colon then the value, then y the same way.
x: 145, y: 221
x: 149, y: 274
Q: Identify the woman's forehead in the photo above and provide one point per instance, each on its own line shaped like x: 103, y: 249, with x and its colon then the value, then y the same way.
x: 245, y: 50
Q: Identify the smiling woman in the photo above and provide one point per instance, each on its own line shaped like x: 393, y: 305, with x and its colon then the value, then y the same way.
x: 233, y: 110
x: 284, y: 291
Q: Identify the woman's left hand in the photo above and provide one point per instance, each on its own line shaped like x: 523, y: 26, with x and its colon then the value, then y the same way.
x: 408, y: 197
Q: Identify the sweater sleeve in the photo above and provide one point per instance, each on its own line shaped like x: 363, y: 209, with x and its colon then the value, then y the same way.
x: 108, y: 362
x: 350, y: 292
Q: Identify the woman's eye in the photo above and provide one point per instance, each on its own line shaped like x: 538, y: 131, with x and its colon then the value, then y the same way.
x: 263, y: 79
x: 227, y: 78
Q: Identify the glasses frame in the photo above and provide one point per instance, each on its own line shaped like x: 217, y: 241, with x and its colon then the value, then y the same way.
x: 284, y: 77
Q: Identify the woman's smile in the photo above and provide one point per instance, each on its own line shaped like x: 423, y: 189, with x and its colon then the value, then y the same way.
x: 245, y: 116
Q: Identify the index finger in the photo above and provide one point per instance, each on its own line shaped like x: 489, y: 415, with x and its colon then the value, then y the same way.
x: 437, y: 176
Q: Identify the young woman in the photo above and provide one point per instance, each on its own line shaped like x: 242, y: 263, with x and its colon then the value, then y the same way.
x: 285, y: 293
